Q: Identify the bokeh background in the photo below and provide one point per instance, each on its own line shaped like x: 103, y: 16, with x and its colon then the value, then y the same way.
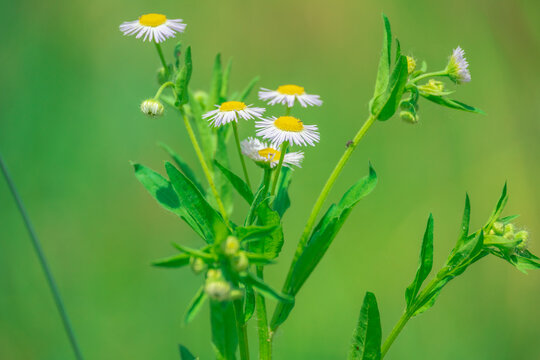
x: 69, y: 124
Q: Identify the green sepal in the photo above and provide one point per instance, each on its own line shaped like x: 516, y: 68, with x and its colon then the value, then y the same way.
x: 240, y: 185
x: 425, y: 264
x: 195, y: 305
x: 367, y: 337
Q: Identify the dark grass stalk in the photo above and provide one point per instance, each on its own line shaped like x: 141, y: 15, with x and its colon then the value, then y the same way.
x: 43, y: 262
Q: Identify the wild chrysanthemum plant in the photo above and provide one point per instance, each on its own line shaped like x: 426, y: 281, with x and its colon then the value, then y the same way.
x: 232, y: 261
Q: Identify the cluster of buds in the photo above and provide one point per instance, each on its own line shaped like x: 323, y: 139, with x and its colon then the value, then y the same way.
x: 238, y: 258
x: 509, y: 232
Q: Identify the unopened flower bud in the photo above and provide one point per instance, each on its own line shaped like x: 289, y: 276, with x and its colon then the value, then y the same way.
x: 218, y: 290
x: 201, y: 96
x: 231, y: 246
x: 213, y: 275
x: 408, y: 117
x: 152, y: 107
x: 524, y: 237
x: 240, y: 262
x: 498, y: 228
x: 433, y: 87
x: 411, y: 64
x: 197, y: 265
x: 509, y: 229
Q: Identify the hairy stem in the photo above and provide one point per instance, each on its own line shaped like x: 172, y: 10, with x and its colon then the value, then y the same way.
x: 427, y: 75
x: 162, y: 58
x: 239, y: 148
x: 162, y: 87
x: 205, y: 168
x: 43, y: 262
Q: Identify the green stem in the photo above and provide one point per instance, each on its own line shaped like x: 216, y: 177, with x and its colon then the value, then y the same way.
x: 239, y: 148
x: 161, y: 88
x: 205, y: 168
x: 242, y: 330
x: 324, y: 194
x: 282, y: 153
x: 265, y: 345
x: 427, y: 75
x: 43, y: 262
x: 162, y: 58
x: 407, y: 315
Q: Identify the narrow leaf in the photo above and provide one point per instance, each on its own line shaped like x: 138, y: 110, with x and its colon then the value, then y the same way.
x: 265, y: 289
x: 249, y: 307
x: 386, y: 104
x: 249, y: 88
x: 183, y: 78
x: 215, y: 87
x: 237, y: 182
x: 498, y: 208
x: 175, y: 261
x: 452, y: 104
x: 383, y: 72
x: 195, y: 305
x: 225, y: 81
x: 182, y: 165
x: 270, y: 244
x: 185, y: 354
x: 194, y: 252
x: 282, y: 201
x: 224, y: 334
x: 425, y: 265
x: 255, y: 231
x: 366, y: 344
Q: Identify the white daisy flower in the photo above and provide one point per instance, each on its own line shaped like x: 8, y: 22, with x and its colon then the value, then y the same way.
x: 287, y: 128
x: 231, y: 111
x: 458, y: 67
x: 154, y: 27
x: 265, y: 155
x: 287, y: 94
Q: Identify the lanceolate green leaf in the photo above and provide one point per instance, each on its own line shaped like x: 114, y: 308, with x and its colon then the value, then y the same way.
x: 386, y: 104
x: 248, y: 89
x: 282, y: 201
x: 255, y: 231
x: 225, y: 82
x: 183, y: 78
x: 498, y: 208
x: 210, y: 222
x: 270, y: 244
x: 265, y: 289
x: 260, y: 195
x: 195, y: 253
x: 366, y: 343
x: 383, y: 72
x: 162, y: 190
x: 183, y: 166
x: 452, y: 104
x: 425, y: 266
x: 175, y: 261
x: 223, y: 185
x: 241, y: 187
x: 207, y: 137
x: 195, y: 306
x: 224, y: 334
x: 249, y: 307
x: 185, y: 354
x: 215, y: 86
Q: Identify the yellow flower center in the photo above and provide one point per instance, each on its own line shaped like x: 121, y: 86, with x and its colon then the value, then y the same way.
x: 289, y: 123
x: 270, y: 154
x: 232, y: 106
x: 152, y: 20
x: 290, y: 90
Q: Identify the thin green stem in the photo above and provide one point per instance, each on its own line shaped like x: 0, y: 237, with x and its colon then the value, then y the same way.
x: 241, y: 327
x: 162, y: 58
x: 239, y: 148
x: 427, y: 75
x: 205, y: 168
x: 265, y: 345
x: 282, y: 153
x: 324, y: 194
x: 407, y: 315
x: 43, y: 262
x: 162, y: 87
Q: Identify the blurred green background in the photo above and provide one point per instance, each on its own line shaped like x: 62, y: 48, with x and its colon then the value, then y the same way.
x: 70, y: 123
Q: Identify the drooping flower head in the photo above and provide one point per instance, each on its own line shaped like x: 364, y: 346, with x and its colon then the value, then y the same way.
x: 152, y: 107
x: 154, y: 27
x: 287, y: 128
x: 231, y: 111
x: 287, y: 94
x: 458, y: 67
x: 265, y: 155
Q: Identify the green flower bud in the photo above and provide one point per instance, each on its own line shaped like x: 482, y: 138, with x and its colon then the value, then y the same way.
x: 408, y: 117
x: 197, y: 265
x: 201, y: 97
x: 218, y: 290
x: 240, y: 262
x: 152, y: 107
x: 230, y: 246
x: 498, y: 228
x: 524, y: 237
x: 411, y: 64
